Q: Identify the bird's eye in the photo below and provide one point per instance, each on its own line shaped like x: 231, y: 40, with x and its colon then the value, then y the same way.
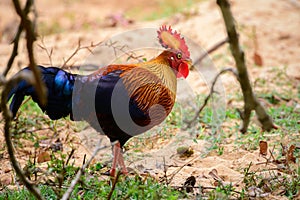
x: 179, y: 55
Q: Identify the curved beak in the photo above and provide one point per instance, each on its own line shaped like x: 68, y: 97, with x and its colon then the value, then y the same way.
x: 189, y: 62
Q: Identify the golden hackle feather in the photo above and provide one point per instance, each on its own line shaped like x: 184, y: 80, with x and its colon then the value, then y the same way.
x: 149, y: 83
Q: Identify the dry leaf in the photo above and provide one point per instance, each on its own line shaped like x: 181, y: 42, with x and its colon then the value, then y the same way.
x: 5, y: 180
x: 190, y: 183
x: 214, y: 173
x: 263, y: 148
x: 43, y: 157
x: 216, y: 183
x: 257, y: 59
x: 256, y: 192
x: 290, y: 154
x: 6, y: 170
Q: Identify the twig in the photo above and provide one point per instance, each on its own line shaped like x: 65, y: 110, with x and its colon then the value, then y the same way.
x: 30, y: 38
x: 28, y: 76
x: 165, y: 171
x: 189, y: 122
x: 49, y: 54
x: 16, y: 41
x: 212, y: 49
x: 180, y: 168
x: 69, y: 157
x: 78, y: 48
x: 14, y: 52
x: 121, y: 48
x: 69, y: 191
x: 114, y: 185
x: 32, y: 78
x: 250, y: 101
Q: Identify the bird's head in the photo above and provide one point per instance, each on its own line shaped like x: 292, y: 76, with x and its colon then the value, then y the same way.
x: 177, y: 53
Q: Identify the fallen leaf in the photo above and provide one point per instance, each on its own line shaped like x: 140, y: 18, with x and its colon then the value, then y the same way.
x: 214, y: 173
x: 284, y: 36
x: 263, y: 148
x: 256, y: 192
x: 216, y: 183
x: 189, y: 184
x: 43, y: 157
x: 6, y: 170
x: 257, y: 59
x: 290, y: 154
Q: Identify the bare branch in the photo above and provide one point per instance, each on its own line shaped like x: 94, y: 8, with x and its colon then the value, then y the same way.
x: 122, y: 48
x: 250, y: 101
x: 14, y: 52
x: 30, y: 38
x: 32, y: 77
x: 179, y: 169
x: 28, y: 76
x: 49, y: 53
x: 212, y: 49
x: 16, y: 41
x: 190, y: 122
x: 78, y: 48
x: 114, y: 185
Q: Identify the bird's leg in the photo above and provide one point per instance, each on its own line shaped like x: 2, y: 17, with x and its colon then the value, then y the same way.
x: 116, y: 152
x: 122, y: 164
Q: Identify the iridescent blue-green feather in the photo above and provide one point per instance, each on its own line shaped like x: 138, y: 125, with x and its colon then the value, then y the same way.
x: 59, y: 86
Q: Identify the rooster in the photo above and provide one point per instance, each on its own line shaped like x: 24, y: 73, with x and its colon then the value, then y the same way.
x: 126, y: 100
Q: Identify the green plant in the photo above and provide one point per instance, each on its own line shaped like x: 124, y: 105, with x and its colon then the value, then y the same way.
x: 93, y: 188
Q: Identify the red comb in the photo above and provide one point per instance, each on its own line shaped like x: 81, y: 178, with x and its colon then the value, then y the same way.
x: 173, y: 40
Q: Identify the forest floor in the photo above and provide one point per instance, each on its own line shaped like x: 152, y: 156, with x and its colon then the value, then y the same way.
x: 266, y: 27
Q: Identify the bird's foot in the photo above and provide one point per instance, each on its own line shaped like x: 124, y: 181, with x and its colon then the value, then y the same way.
x: 113, y: 173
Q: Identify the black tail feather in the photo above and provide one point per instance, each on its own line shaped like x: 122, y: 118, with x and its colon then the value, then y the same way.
x: 59, y: 85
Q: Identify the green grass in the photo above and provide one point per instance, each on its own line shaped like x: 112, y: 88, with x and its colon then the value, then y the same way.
x: 93, y: 188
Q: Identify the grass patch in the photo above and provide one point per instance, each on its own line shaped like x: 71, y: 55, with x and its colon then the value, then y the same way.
x: 92, y: 188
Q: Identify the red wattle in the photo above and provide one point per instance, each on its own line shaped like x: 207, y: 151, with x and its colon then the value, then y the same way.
x: 183, y: 70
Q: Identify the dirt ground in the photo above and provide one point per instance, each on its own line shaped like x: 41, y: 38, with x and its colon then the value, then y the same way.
x: 276, y: 23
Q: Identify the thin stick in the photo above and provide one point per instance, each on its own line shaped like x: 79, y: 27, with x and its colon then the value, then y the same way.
x: 43, y: 47
x: 180, y: 168
x: 78, y: 48
x: 30, y: 38
x: 8, y: 117
x: 165, y: 171
x: 212, y: 49
x: 250, y: 101
x: 69, y: 157
x: 69, y: 191
x: 189, y: 122
x: 16, y: 41
x: 114, y: 185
